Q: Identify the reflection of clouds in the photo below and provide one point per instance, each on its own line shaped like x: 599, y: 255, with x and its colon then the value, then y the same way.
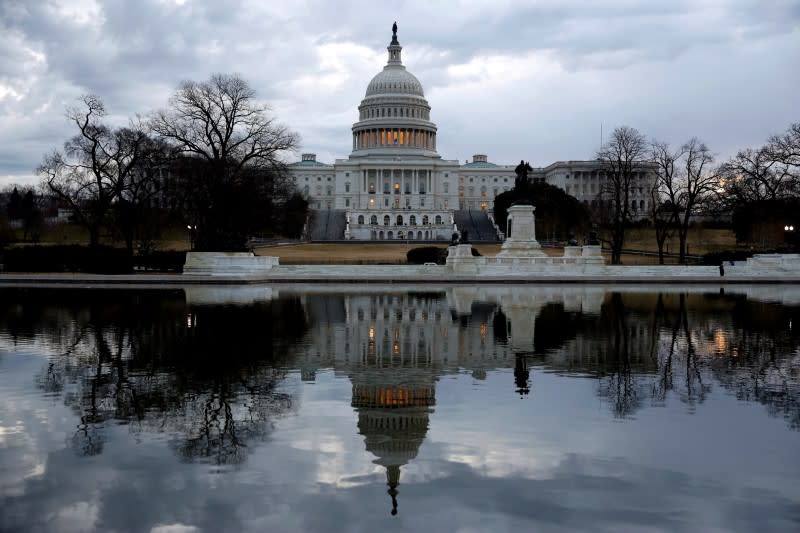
x: 539, y: 463
x: 492, y: 462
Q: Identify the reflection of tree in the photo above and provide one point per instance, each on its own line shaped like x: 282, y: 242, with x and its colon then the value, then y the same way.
x: 207, y: 375
x: 759, y: 361
x: 679, y: 348
x: 619, y: 385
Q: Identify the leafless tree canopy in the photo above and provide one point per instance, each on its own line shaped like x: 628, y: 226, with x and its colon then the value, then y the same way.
x: 221, y: 121
x: 770, y: 172
x: 98, y: 167
x: 620, y: 157
x: 238, y: 152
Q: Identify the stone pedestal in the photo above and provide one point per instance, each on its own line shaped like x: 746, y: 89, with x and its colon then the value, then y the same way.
x: 521, y: 240
x: 227, y: 264
x: 460, y: 259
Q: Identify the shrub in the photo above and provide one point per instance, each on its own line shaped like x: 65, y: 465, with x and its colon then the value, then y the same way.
x: 427, y: 254
x: 68, y: 258
x: 161, y: 261
x: 431, y: 254
x: 716, y: 258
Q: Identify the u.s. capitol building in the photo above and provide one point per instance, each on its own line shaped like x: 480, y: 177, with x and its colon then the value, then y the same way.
x: 395, y: 185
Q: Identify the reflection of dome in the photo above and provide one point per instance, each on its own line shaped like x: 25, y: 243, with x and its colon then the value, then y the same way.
x: 393, y: 405
x: 394, y: 436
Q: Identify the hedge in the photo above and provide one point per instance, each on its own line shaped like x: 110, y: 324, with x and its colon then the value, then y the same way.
x: 98, y: 260
x: 431, y: 254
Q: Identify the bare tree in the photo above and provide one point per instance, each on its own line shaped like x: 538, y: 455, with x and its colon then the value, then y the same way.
x: 698, y: 182
x: 96, y: 166
x: 663, y: 194
x: 240, y: 149
x: 620, y: 157
x: 770, y: 172
x: 785, y: 151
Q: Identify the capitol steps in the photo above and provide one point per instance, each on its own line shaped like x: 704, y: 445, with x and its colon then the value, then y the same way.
x: 477, y: 224
x: 328, y: 225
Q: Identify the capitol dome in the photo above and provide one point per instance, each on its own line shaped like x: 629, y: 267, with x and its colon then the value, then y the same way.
x: 394, y: 79
x: 394, y: 115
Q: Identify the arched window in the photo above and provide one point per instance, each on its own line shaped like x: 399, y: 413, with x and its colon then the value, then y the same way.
x: 360, y: 219
x: 438, y: 219
x: 419, y: 235
x: 373, y: 220
x: 372, y: 187
x: 399, y: 220
x: 390, y: 235
x: 424, y: 220
x: 412, y: 220
x: 386, y: 220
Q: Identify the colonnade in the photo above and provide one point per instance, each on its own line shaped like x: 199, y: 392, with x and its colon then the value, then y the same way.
x: 409, y: 137
x: 396, y: 181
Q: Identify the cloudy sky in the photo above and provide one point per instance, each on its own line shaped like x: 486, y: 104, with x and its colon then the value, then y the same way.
x: 508, y: 78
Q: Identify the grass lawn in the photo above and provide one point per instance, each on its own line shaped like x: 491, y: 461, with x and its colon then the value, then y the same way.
x: 700, y: 241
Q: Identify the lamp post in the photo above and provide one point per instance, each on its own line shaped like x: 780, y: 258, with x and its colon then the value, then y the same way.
x: 192, y: 229
x: 788, y: 235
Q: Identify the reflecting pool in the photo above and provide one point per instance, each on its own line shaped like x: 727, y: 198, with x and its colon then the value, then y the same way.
x: 390, y: 408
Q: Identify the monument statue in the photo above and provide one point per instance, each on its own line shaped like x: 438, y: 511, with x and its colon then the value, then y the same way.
x: 394, y: 29
x: 522, y: 170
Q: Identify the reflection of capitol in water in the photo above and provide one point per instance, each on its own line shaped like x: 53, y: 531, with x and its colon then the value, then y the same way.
x: 460, y: 328
x: 393, y: 345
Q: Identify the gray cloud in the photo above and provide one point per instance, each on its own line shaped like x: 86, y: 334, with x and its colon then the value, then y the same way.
x: 513, y: 79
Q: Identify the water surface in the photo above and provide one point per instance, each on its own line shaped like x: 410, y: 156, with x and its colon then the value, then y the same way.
x: 388, y: 408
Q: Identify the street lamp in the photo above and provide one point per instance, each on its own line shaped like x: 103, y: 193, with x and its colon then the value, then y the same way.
x: 192, y: 229
x: 788, y: 235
